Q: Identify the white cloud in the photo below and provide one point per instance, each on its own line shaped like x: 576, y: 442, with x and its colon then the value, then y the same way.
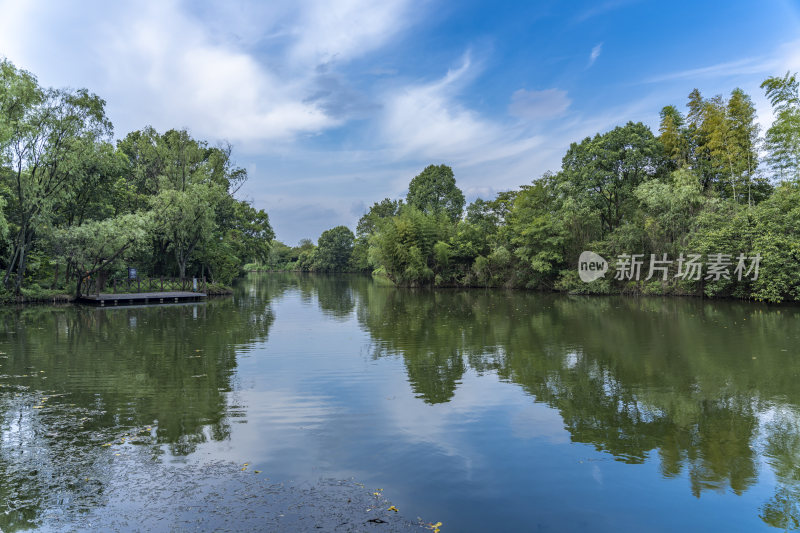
x: 538, y: 105
x: 598, y: 48
x: 346, y: 28
x: 162, y: 65
x: 427, y: 122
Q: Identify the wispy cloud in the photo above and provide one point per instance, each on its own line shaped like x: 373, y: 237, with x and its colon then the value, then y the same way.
x: 596, y: 51
x: 728, y: 68
x: 538, y: 105
x: 427, y: 121
x: 348, y: 28
x: 785, y: 57
x: 601, y: 9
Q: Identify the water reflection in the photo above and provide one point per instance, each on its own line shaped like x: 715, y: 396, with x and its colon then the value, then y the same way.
x: 75, y: 378
x: 709, y: 387
x: 707, y: 392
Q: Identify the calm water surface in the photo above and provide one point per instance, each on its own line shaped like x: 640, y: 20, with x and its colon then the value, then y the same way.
x: 486, y: 410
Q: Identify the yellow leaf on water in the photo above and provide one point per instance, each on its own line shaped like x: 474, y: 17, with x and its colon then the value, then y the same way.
x: 392, y: 508
x: 257, y: 471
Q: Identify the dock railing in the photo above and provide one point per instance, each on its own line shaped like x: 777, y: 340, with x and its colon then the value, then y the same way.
x: 130, y: 286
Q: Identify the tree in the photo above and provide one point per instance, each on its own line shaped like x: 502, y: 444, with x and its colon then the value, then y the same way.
x: 250, y: 232
x: 539, y: 234
x: 602, y: 172
x: 379, y: 211
x: 186, y: 218
x: 669, y: 210
x: 99, y: 245
x: 783, y: 137
x: 434, y: 189
x: 673, y: 135
x: 368, y: 224
x: 334, y: 249
x: 743, y: 129
x: 52, y: 132
x: 404, y: 246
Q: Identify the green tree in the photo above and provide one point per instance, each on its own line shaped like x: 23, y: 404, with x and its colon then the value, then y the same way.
x: 783, y: 137
x: 673, y: 135
x: 186, y: 218
x: 368, y: 224
x: 434, y: 190
x: 404, y: 246
x: 98, y: 246
x: 334, y: 248
x: 51, y: 136
x: 539, y: 233
x: 602, y: 172
x: 743, y: 139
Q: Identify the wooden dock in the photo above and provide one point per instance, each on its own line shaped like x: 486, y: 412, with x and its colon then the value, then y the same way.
x: 104, y: 299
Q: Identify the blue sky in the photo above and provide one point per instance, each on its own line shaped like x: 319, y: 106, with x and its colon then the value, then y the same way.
x: 333, y: 105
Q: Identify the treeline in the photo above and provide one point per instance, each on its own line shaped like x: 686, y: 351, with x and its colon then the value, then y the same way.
x: 74, y: 205
x: 701, y: 186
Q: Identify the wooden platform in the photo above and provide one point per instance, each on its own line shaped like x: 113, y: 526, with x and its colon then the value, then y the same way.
x: 141, y: 297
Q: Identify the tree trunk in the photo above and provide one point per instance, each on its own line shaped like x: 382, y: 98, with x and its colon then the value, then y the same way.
x: 181, y: 265
x: 21, y: 269
x: 11, y: 266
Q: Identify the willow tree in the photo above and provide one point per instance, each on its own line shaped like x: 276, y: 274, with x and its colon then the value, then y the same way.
x: 46, y: 135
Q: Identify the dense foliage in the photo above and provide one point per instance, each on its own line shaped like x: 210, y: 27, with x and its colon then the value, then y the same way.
x: 696, y: 188
x: 74, y: 205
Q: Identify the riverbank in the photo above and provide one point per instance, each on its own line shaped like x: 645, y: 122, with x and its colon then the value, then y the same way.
x: 37, y: 295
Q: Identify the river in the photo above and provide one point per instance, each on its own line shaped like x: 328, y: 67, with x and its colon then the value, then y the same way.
x: 486, y: 410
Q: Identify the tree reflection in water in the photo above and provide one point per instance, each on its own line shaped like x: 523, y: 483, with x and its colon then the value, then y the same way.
x: 708, y: 387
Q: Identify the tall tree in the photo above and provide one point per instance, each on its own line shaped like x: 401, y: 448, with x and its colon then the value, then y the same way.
x: 434, y: 189
x: 673, y: 135
x: 49, y: 140
x: 743, y: 138
x: 783, y: 137
x: 603, y: 171
x: 186, y: 218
